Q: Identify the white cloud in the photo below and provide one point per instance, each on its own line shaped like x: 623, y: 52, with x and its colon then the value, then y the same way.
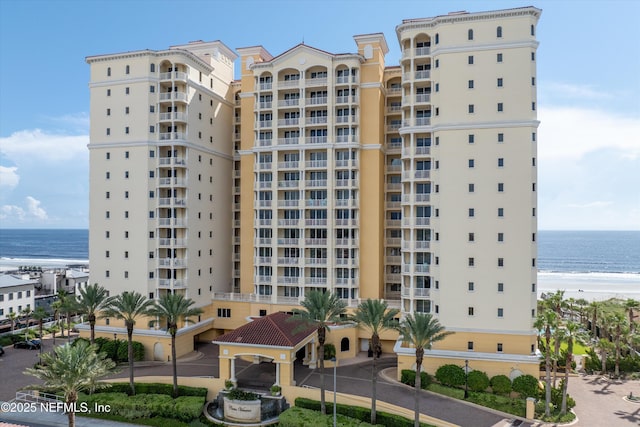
x: 34, y: 208
x: 12, y: 212
x: 9, y: 177
x: 573, y: 91
x: 79, y: 122
x: 570, y: 133
x: 29, y: 145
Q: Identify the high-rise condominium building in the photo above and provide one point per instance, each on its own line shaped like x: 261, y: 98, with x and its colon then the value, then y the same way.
x: 415, y: 183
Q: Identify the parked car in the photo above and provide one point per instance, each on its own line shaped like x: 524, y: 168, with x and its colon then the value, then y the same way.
x: 30, y: 345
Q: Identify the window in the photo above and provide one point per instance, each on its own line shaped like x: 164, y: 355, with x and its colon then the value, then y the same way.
x: 224, y: 312
x: 151, y: 194
x: 126, y: 69
x: 499, y: 81
x: 151, y: 255
x: 470, y: 311
x: 470, y: 59
x: 533, y: 212
x: 126, y: 174
x: 500, y: 162
x: 107, y: 234
x: 533, y: 186
x: 108, y: 155
x: 472, y: 212
x: 472, y: 237
x: 152, y: 89
x: 471, y: 262
x: 500, y: 212
x: 108, y: 131
x: 470, y: 345
x: 126, y: 254
x: 126, y: 154
x: 126, y: 130
x: 152, y: 129
x: 126, y: 274
x: 437, y: 63
x: 470, y: 35
x: 470, y: 84
x: 107, y: 195
x: 500, y: 287
x: 499, y: 57
x: 126, y: 234
x: 109, y: 72
x: 533, y: 287
x: 126, y: 110
x: 533, y: 137
x: 533, y: 56
x: 499, y: 347
x: 533, y: 81
x: 152, y: 68
x: 533, y: 30
x: 533, y: 161
x: 152, y: 174
x: 438, y: 36
x: 106, y: 273
x: 533, y: 262
x: 108, y: 111
x: 533, y: 106
x: 471, y: 163
x: 344, y: 344
x: 501, y: 137
x: 107, y: 214
x: 108, y: 92
x: 472, y: 138
x: 471, y: 286
x: 151, y: 214
x: 471, y: 109
x: 151, y: 275
x: 500, y: 312
x: 152, y: 108
x: 500, y: 262
x: 472, y: 188
x: 437, y: 87
x: 126, y: 91
x: 499, y: 32
x: 108, y: 175
x: 500, y: 237
x: 500, y: 107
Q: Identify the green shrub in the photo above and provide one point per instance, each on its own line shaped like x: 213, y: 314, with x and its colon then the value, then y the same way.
x: 500, y: 384
x: 407, y: 376
x: 123, y: 351
x: 526, y: 385
x: 237, y: 394
x: 478, y: 381
x: 110, y: 348
x: 5, y: 341
x: 188, y: 408
x: 329, y: 351
x: 451, y: 375
x: 100, y: 342
x: 77, y: 340
x: 295, y: 417
x: 156, y: 388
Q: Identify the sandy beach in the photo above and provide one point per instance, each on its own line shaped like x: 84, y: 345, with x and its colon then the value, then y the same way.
x: 590, y: 287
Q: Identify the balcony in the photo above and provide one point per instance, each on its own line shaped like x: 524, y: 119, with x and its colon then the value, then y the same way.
x: 289, y: 165
x: 263, y: 222
x: 394, y: 186
x: 317, y: 100
x: 316, y: 202
x: 393, y: 278
x: 263, y: 185
x: 263, y: 279
x: 345, y: 163
x: 393, y: 223
x: 265, y: 123
x: 171, y: 201
x: 289, y: 102
x: 289, y: 122
x: 265, y: 86
x: 175, y: 116
x: 321, y: 81
x: 352, y: 262
x: 346, y: 138
x: 172, y: 222
x: 172, y: 161
x: 172, y: 262
x: 394, y: 90
x: 264, y: 166
x: 421, y: 292
x: 421, y: 98
x: 288, y: 280
x: 346, y: 183
x: 288, y: 141
x: 171, y: 283
x: 393, y: 259
x: 346, y: 79
x: 175, y: 96
x: 288, y: 203
x: 294, y: 183
x: 395, y: 168
x: 264, y: 203
x: 263, y: 241
x: 171, y: 135
x: 172, y: 242
x: 393, y: 127
x: 263, y: 260
x: 288, y: 84
x: 316, y: 183
x: 315, y: 261
x: 315, y: 280
x: 264, y: 142
x: 316, y: 120
x: 423, y: 121
x: 393, y: 241
x: 417, y: 268
x: 170, y: 182
x: 315, y: 222
x: 315, y: 242
x: 315, y: 140
x: 345, y: 281
x: 265, y: 105
x: 346, y: 221
x: 288, y: 222
x: 175, y: 75
x: 347, y: 202
x: 288, y: 261
x: 422, y: 51
x: 314, y: 164
x: 346, y: 99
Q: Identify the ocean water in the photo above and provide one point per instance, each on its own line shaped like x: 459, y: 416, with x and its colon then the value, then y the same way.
x: 43, y: 247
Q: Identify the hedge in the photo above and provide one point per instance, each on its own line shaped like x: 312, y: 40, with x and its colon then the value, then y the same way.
x: 451, y: 375
x: 407, y: 376
x: 500, y: 384
x: 185, y: 408
x: 526, y: 385
x: 155, y: 388
x: 477, y: 381
x: 296, y: 417
x: 383, y: 418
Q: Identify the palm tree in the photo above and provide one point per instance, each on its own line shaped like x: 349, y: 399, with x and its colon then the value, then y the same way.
x: 420, y: 331
x: 595, y: 308
x: 69, y: 306
x: 321, y: 309
x: 582, y: 305
x: 570, y: 334
x: 547, y: 320
x: 128, y: 306
x: 91, y: 301
x: 12, y: 318
x: 632, y: 305
x: 26, y: 312
x: 40, y: 314
x: 376, y: 316
x: 72, y: 369
x: 57, y: 309
x: 604, y: 348
x: 172, y: 308
x: 619, y: 329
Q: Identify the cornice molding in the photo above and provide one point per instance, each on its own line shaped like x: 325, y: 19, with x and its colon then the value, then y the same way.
x: 154, y: 53
x: 150, y: 143
x: 464, y: 126
x: 533, y: 44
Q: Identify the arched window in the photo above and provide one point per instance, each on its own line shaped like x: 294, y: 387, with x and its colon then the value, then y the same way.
x: 152, y: 68
x: 344, y: 344
x: 499, y: 32
x: 109, y: 72
x: 470, y: 35
x: 437, y: 38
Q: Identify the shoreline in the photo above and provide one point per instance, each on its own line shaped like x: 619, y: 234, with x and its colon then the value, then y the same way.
x: 590, y: 289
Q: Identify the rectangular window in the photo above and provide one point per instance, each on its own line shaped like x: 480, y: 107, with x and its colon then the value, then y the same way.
x: 472, y: 188
x: 107, y: 214
x: 108, y: 111
x: 500, y: 162
x: 500, y: 107
x: 470, y: 311
x: 472, y: 138
x: 152, y: 108
x: 533, y: 287
x: 500, y: 287
x: 500, y: 237
x: 500, y: 187
x: 470, y: 84
x: 126, y: 274
x: 472, y: 212
x: 501, y: 137
x: 470, y: 345
x: 500, y: 212
x: 107, y: 234
x: 471, y: 262
x: 500, y: 262
x: 471, y: 109
x: 500, y: 312
x: 152, y: 89
x: 533, y: 81
x: 224, y: 312
x: 470, y: 60
x: 152, y: 129
x: 107, y: 195
x: 471, y: 163
x: 126, y: 91
x: 108, y: 92
x: 533, y: 56
x: 108, y: 175
x: 499, y: 347
x: 499, y: 57
x: 151, y: 214
x: 471, y: 286
x: 533, y: 106
x: 499, y: 81
x: 107, y: 273
x: 126, y: 130
x: 126, y: 110
x: 108, y: 131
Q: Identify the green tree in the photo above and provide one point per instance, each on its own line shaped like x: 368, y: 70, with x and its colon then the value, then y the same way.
x: 128, y: 306
x: 71, y: 370
x: 91, y: 301
x: 604, y: 348
x: 57, y: 309
x: 595, y: 309
x: 420, y: 331
x: 321, y: 309
x: 12, y: 318
x: 375, y: 316
x: 547, y: 320
x: 570, y: 334
x: 631, y: 306
x: 173, y: 308
x: 40, y: 314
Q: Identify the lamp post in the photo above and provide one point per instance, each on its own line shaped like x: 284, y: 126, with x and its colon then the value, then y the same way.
x: 335, y: 419
x: 466, y: 379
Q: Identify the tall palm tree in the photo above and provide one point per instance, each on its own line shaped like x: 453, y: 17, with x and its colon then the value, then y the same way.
x: 72, y: 369
x: 570, y: 334
x: 321, y: 309
x: 604, y: 348
x: 26, y: 312
x: 420, y: 331
x: 619, y: 329
x: 128, y: 306
x: 376, y: 316
x: 57, y: 309
x: 595, y: 308
x: 40, y: 314
x: 172, y: 308
x: 91, y: 301
x: 547, y: 320
x: 632, y: 305
x: 12, y: 318
x: 582, y: 305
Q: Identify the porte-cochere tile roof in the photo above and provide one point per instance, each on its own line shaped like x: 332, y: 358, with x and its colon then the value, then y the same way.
x: 276, y: 329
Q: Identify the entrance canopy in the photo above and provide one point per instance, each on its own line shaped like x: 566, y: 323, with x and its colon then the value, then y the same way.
x: 277, y: 337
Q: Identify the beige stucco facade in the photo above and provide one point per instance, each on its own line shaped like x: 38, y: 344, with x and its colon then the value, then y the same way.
x: 414, y: 183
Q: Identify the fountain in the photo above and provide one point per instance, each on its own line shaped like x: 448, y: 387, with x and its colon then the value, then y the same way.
x: 236, y: 407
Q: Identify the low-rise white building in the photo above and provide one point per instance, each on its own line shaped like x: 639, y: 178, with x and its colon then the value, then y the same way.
x: 16, y: 294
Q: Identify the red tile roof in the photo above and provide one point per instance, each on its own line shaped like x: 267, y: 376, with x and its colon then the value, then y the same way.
x: 273, y: 330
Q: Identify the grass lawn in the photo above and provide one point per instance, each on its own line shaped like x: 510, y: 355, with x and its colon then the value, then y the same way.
x: 577, y: 347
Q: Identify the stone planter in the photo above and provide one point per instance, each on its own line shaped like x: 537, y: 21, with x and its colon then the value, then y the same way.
x: 246, y: 411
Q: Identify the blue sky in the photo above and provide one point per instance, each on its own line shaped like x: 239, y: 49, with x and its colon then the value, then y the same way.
x: 588, y: 83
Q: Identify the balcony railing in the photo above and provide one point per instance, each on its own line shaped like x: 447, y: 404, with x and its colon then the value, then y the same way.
x: 167, y: 161
x: 289, y: 122
x: 288, y: 83
x: 178, y: 182
x: 292, y: 102
x: 315, y: 120
x: 315, y: 242
x: 266, y: 104
x: 288, y: 141
x: 171, y: 135
x: 176, y: 96
x: 168, y: 222
x: 315, y: 139
x: 171, y: 201
x: 321, y: 81
x: 423, y: 97
x: 346, y: 242
x: 288, y: 261
x: 317, y: 100
x: 177, y: 116
x: 315, y: 261
x: 172, y: 262
x: 288, y: 203
x: 172, y: 242
x: 265, y: 86
x: 265, y: 142
x: 315, y: 164
x: 289, y: 165
x: 288, y: 222
x: 289, y: 183
x: 315, y: 222
x: 316, y: 183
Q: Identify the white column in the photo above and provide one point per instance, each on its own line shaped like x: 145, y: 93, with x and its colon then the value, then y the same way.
x: 277, y: 373
x: 233, y: 370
